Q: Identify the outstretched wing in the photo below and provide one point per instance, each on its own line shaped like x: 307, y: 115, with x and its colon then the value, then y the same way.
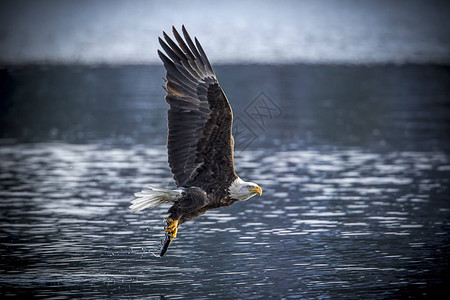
x: 200, y: 143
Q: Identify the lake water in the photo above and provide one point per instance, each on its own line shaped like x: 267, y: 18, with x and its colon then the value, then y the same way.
x: 354, y: 163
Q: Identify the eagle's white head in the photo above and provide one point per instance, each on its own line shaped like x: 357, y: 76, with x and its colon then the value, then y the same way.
x: 242, y: 190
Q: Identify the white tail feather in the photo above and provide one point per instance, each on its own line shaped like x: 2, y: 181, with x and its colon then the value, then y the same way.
x: 154, y: 197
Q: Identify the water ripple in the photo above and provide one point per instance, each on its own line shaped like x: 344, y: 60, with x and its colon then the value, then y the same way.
x: 369, y: 218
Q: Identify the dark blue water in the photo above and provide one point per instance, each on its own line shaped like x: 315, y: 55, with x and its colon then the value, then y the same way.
x: 354, y: 163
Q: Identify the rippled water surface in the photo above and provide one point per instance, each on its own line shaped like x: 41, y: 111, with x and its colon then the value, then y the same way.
x: 367, y: 218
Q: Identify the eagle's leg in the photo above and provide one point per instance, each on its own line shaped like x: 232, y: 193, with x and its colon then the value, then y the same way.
x: 172, y: 227
x: 171, y: 230
x: 187, y: 208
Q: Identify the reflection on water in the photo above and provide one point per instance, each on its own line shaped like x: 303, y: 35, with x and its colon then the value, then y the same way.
x: 330, y: 224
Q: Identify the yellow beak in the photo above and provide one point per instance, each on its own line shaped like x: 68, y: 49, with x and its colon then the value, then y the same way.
x: 257, y: 190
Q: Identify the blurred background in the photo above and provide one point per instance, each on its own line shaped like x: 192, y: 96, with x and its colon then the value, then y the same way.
x: 125, y: 32
x: 342, y: 115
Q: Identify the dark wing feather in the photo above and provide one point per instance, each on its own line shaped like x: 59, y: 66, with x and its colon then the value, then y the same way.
x: 200, y: 144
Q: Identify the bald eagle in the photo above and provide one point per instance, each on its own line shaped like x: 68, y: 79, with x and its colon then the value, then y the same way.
x: 200, y: 143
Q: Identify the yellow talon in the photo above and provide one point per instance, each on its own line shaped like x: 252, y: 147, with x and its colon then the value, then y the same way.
x: 171, y: 230
x: 172, y: 227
